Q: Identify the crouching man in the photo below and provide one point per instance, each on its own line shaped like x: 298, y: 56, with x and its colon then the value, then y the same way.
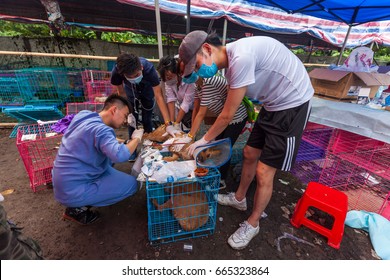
x: 83, y: 175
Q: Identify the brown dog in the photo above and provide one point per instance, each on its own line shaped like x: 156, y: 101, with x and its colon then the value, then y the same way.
x: 189, y: 206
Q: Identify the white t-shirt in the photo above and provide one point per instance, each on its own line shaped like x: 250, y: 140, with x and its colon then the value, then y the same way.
x: 184, y: 95
x: 272, y: 73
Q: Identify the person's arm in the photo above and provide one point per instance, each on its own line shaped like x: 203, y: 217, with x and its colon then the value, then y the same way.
x: 187, y: 100
x: 171, y: 109
x: 132, y: 144
x: 161, y: 103
x: 197, y: 121
x: 121, y: 91
x: 233, y: 101
x: 196, y: 108
x: 180, y: 115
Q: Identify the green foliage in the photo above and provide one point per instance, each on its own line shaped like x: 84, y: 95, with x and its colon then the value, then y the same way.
x: 26, y: 30
x: 41, y: 30
x: 79, y: 33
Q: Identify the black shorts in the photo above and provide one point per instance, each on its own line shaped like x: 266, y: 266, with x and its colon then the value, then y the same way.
x: 278, y: 135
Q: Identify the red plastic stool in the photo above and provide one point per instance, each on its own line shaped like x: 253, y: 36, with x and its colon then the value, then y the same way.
x: 328, y: 200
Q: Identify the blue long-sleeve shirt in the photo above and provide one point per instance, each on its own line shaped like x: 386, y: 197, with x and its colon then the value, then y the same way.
x: 88, y: 148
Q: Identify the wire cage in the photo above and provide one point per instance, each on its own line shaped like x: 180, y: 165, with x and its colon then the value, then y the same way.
x: 74, y: 108
x: 365, y: 152
x: 30, y: 114
x: 385, y: 208
x: 76, y: 85
x: 238, y: 148
x: 38, y: 146
x: 312, y: 151
x: 359, y: 166
x: 365, y: 190
x: 183, y: 209
x: 97, y: 84
x: 10, y: 93
x: 44, y: 86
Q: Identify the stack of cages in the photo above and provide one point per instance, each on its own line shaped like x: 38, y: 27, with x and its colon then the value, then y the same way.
x: 10, y: 92
x: 97, y: 85
x: 44, y: 86
x: 74, y: 108
x: 38, y: 146
x: 183, y: 209
x: 359, y: 167
x: 312, y: 151
x: 76, y: 85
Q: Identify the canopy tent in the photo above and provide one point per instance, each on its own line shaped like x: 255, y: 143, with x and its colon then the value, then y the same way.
x: 271, y: 18
x: 245, y: 18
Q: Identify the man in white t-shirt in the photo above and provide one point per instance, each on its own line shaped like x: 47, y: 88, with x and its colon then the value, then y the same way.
x: 264, y: 69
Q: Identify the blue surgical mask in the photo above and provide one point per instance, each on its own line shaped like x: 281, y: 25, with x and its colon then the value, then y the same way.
x: 206, y: 71
x: 135, y: 80
x: 191, y: 79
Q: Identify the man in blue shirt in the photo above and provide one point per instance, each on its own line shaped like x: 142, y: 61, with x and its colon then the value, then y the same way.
x: 83, y: 174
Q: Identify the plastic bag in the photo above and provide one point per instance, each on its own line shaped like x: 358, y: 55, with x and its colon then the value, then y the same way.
x: 174, y: 171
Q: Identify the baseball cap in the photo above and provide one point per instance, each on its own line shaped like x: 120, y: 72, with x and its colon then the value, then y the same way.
x: 188, y: 49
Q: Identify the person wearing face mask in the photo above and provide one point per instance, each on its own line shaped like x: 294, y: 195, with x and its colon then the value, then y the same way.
x: 136, y: 79
x: 176, y: 92
x: 83, y: 175
x: 260, y: 68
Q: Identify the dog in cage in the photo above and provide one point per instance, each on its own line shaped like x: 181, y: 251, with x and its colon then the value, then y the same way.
x: 188, y: 203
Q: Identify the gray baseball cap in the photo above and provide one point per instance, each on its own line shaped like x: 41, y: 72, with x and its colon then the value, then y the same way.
x: 188, y: 49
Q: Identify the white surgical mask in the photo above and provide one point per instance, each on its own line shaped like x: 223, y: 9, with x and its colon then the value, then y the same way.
x: 172, y: 82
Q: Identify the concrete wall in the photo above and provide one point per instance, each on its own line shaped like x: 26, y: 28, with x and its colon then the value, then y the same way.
x: 70, y: 46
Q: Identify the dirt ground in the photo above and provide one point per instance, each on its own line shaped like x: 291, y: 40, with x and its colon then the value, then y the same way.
x: 122, y: 232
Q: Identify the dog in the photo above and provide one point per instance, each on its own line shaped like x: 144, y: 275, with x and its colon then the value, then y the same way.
x: 158, y: 135
x: 189, y: 206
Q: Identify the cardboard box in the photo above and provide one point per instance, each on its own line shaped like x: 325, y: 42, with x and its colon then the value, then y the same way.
x: 346, y: 86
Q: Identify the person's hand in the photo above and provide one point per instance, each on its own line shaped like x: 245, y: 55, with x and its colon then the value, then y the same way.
x: 195, y: 145
x: 131, y: 121
x: 182, y: 140
x: 137, y: 134
x: 177, y: 125
x: 170, y: 129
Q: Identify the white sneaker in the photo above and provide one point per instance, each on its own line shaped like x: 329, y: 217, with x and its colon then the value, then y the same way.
x: 243, y: 235
x: 222, y: 184
x: 230, y: 200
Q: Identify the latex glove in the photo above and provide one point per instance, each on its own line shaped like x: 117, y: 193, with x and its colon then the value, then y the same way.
x: 131, y: 121
x: 137, y: 134
x: 198, y: 143
x: 172, y: 130
x: 182, y: 140
x: 177, y: 126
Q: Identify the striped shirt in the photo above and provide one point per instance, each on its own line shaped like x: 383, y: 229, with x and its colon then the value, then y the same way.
x: 213, y: 96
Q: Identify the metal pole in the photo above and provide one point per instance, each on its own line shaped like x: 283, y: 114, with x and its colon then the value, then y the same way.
x: 344, y: 44
x: 159, y: 34
x: 224, y: 32
x: 188, y: 25
x: 224, y: 40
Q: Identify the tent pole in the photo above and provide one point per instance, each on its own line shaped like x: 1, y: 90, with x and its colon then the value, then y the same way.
x: 188, y: 23
x: 224, y: 32
x: 224, y: 40
x: 158, y: 22
x: 344, y: 44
